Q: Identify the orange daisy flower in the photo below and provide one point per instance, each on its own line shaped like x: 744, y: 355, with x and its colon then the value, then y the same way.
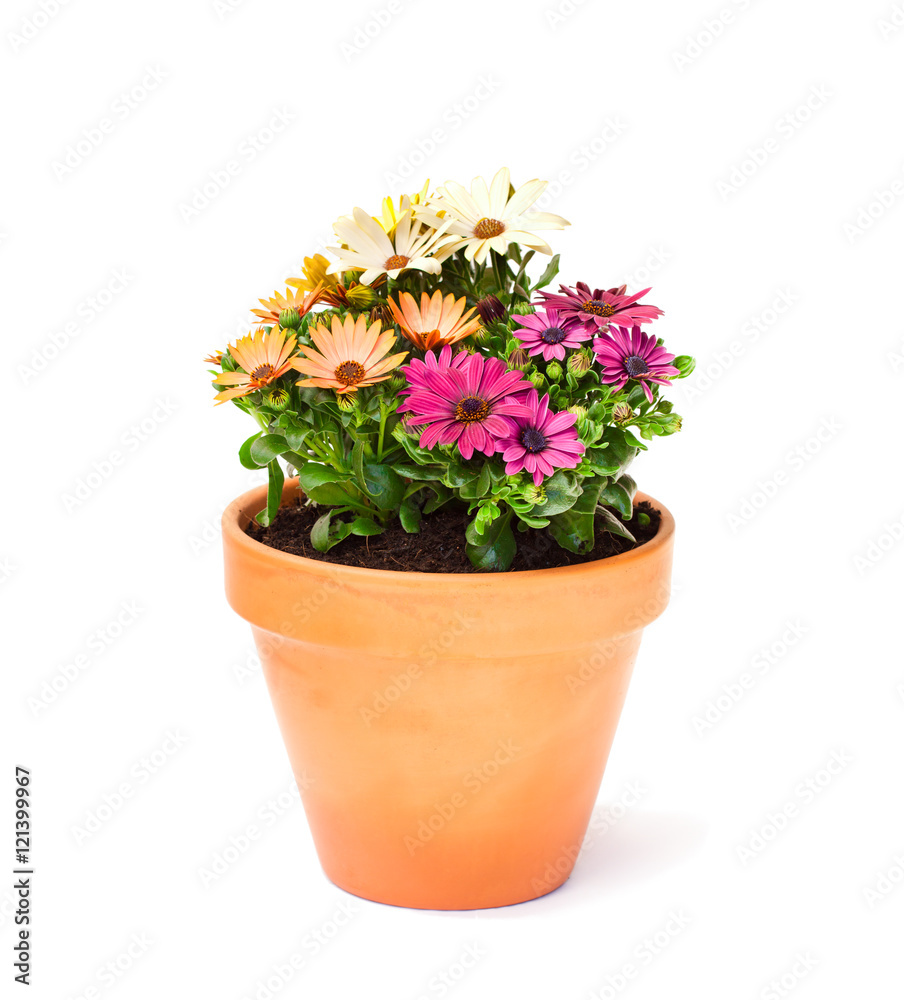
x: 438, y: 322
x: 334, y: 293
x: 264, y: 357
x: 298, y: 302
x: 216, y: 358
x: 349, y: 356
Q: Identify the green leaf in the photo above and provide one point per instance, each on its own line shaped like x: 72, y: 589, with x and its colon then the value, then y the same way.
x: 296, y: 434
x: 268, y: 447
x: 627, y: 482
x: 533, y: 522
x: 615, y: 495
x: 552, y: 269
x: 358, y: 464
x: 313, y: 475
x: 685, y: 365
x: 613, y: 525
x: 275, y: 482
x: 574, y: 530
x: 483, y: 480
x: 365, y: 526
x: 337, y: 495
x: 383, y: 485
x: 562, y: 491
x: 421, y: 473
x: 410, y: 516
x: 320, y: 533
x: 495, y: 549
x: 245, y: 453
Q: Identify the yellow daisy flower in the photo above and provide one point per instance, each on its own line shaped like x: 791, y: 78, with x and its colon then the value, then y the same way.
x: 334, y: 292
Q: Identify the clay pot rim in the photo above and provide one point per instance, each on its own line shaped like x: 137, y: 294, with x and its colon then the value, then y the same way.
x: 235, y: 517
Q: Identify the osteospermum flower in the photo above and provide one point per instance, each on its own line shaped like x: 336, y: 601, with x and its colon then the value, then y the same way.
x: 348, y: 356
x: 264, y: 356
x: 368, y: 248
x: 390, y: 214
x: 632, y: 354
x: 468, y: 402
x: 489, y: 218
x: 548, y: 333
x: 438, y: 321
x: 297, y: 303
x: 216, y: 358
x: 542, y: 442
x: 600, y: 307
x: 334, y: 293
x: 416, y: 370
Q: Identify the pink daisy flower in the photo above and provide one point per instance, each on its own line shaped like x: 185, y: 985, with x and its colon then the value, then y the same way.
x: 631, y: 354
x: 600, y: 307
x: 465, y: 402
x: 542, y: 442
x: 549, y: 333
x: 416, y: 370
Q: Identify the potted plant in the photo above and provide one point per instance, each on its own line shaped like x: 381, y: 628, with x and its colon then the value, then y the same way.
x: 448, y: 591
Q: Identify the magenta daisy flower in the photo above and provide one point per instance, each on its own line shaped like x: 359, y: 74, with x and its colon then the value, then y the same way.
x: 632, y: 354
x: 549, y: 333
x: 542, y: 442
x: 416, y: 370
x: 468, y: 402
x: 600, y: 307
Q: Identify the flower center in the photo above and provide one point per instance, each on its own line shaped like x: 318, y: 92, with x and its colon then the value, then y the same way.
x: 596, y: 307
x: 553, y: 335
x: 486, y: 229
x: 428, y: 335
x: 533, y: 440
x: 471, y: 408
x: 635, y: 365
x: 396, y: 261
x: 350, y: 373
x: 263, y: 372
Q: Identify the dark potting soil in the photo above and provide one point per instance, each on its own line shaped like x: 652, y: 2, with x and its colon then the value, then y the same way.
x: 439, y: 547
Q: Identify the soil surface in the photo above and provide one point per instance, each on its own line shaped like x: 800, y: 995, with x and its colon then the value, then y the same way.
x: 439, y: 547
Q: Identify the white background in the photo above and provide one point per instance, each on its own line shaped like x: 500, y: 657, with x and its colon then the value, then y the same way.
x: 730, y: 176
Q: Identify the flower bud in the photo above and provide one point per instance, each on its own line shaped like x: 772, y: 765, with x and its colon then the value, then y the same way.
x: 554, y: 371
x: 581, y: 413
x: 580, y: 362
x: 397, y: 383
x: 277, y: 398
x: 519, y: 359
x: 534, y: 494
x: 490, y: 309
x: 622, y: 413
x: 522, y: 308
x: 538, y: 380
x: 346, y: 400
x: 289, y: 319
x: 673, y: 424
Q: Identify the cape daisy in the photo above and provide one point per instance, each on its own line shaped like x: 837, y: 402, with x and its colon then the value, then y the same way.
x: 469, y: 403
x: 438, y: 321
x: 297, y: 302
x: 264, y: 356
x: 489, y: 218
x: 600, y: 307
x: 348, y: 356
x: 632, y: 354
x: 541, y: 442
x: 547, y: 333
x: 333, y: 292
x: 369, y: 248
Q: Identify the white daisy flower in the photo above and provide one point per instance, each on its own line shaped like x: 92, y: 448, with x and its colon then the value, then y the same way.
x: 487, y: 218
x: 368, y: 248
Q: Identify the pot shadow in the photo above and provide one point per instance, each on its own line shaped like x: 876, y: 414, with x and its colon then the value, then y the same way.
x: 640, y: 847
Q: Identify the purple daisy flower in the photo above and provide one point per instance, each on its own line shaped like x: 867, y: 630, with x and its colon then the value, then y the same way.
x: 468, y: 402
x: 549, y: 333
x: 542, y: 442
x: 600, y: 307
x: 632, y: 354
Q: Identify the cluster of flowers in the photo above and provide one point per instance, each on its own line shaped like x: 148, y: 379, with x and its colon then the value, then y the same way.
x: 551, y: 384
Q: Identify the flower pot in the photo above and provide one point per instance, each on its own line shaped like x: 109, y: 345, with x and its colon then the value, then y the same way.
x: 449, y: 731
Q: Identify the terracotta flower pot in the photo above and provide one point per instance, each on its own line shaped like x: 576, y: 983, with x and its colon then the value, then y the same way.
x: 449, y: 732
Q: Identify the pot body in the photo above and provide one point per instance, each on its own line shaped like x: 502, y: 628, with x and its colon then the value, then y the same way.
x: 449, y: 732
